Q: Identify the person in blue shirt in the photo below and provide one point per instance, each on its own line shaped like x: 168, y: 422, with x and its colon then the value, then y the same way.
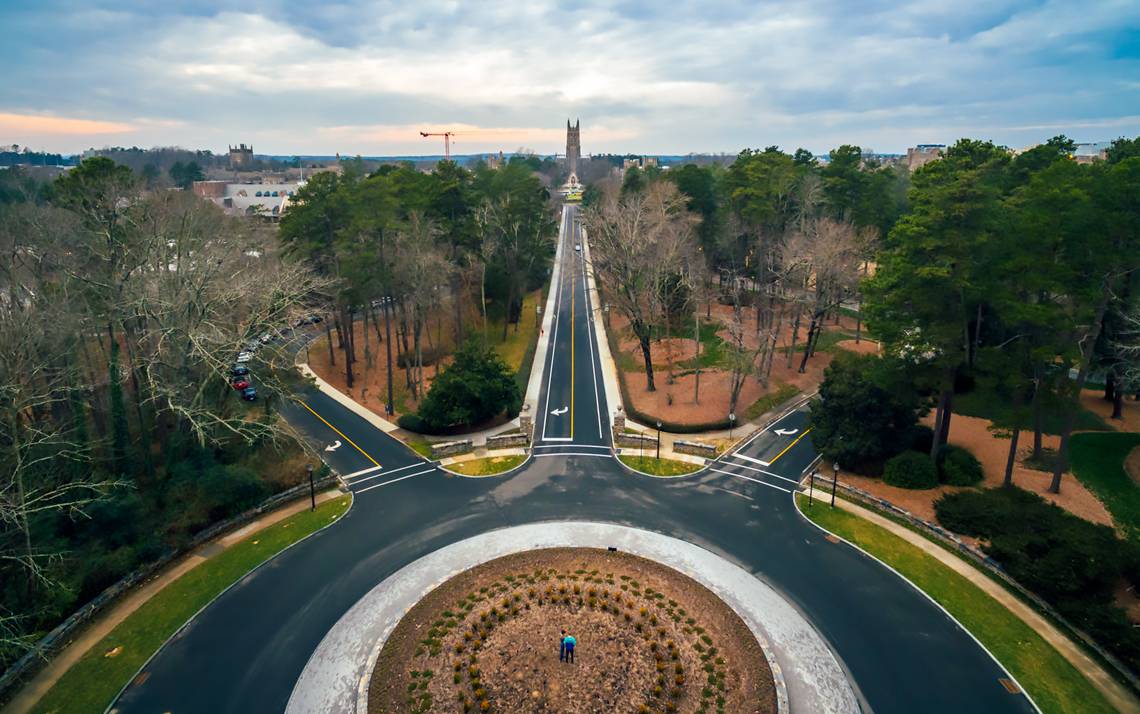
x: 562, y: 646
x: 568, y: 642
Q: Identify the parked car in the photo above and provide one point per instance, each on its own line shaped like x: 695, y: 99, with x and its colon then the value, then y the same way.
x: 265, y: 339
x: 239, y: 384
x: 578, y: 247
x: 244, y: 356
x: 239, y: 370
x: 249, y: 394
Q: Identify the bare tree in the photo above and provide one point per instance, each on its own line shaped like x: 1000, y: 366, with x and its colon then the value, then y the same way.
x: 638, y: 244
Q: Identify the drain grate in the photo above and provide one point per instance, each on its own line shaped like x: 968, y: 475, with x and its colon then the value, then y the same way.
x: 1010, y: 685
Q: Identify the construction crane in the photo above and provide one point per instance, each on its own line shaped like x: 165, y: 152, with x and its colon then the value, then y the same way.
x: 446, y: 141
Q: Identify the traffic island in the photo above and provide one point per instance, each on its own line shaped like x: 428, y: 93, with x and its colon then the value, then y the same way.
x: 647, y: 639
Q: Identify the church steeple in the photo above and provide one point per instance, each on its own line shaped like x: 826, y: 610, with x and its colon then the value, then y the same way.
x: 573, y: 146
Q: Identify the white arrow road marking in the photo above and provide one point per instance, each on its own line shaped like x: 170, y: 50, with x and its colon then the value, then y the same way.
x: 333, y: 446
x: 559, y: 412
x: 787, y: 432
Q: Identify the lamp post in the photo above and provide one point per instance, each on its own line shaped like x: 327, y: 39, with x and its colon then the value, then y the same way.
x: 731, y: 424
x: 811, y: 485
x: 834, y: 480
x: 312, y: 489
x: 658, y: 441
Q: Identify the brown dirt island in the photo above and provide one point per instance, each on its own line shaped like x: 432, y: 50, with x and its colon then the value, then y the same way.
x: 650, y: 639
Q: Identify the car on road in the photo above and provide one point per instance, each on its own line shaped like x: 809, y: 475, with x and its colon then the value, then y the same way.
x: 249, y: 394
x: 239, y: 370
x: 244, y: 356
x: 578, y: 247
x: 239, y: 384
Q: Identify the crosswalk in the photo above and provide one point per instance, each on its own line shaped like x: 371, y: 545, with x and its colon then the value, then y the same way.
x: 377, y: 477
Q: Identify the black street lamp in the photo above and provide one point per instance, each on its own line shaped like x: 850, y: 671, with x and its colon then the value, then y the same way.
x: 659, y: 440
x: 312, y: 489
x: 731, y: 423
x: 811, y: 485
x: 834, y: 480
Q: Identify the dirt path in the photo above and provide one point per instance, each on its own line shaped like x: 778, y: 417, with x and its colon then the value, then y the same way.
x: 95, y: 631
x: 1116, y: 694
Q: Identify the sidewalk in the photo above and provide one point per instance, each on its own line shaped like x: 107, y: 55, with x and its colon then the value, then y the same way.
x: 1116, y: 694
x: 99, y: 628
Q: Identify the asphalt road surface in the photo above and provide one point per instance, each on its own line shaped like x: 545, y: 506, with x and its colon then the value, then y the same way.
x: 244, y: 652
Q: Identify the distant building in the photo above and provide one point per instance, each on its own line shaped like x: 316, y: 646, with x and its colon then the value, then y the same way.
x: 493, y: 161
x: 923, y: 154
x: 573, y: 146
x: 241, y: 156
x: 1088, y: 152
x: 641, y: 162
x: 267, y: 200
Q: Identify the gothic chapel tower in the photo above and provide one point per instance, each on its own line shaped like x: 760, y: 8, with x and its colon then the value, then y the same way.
x: 573, y: 147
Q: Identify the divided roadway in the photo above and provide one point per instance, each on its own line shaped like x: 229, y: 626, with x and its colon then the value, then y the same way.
x: 245, y: 651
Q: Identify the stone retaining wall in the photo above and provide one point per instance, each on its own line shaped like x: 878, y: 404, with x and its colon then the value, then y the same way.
x: 694, y: 448
x: 635, y: 441
x: 507, y: 441
x: 450, y: 448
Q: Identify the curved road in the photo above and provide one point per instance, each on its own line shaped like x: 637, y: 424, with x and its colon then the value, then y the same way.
x: 245, y: 651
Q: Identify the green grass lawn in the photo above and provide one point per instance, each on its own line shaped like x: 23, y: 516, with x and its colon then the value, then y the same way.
x: 1098, y: 461
x: 91, y: 684
x: 488, y: 466
x: 421, y: 447
x: 1054, y: 684
x: 513, y: 350
x: 779, y: 395
x: 658, y: 467
x: 987, y: 404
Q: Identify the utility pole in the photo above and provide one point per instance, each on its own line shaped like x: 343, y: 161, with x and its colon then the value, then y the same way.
x: 312, y: 489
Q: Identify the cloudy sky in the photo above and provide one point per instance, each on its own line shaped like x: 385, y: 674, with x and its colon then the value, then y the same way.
x: 654, y: 76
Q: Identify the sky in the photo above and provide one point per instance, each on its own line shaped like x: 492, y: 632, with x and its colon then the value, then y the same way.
x: 643, y: 76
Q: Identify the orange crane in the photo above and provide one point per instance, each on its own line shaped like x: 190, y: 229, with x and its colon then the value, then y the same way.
x: 446, y: 141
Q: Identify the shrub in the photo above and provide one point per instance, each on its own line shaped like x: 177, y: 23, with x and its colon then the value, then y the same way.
x: 958, y: 467
x: 865, y: 403
x: 477, y: 386
x: 911, y: 469
x: 921, y: 438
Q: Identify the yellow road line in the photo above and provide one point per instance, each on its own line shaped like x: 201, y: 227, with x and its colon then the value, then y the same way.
x: 338, y: 432
x: 573, y: 282
x: 790, y: 445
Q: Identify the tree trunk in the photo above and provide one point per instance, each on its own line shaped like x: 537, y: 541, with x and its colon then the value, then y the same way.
x: 388, y: 407
x: 977, y: 336
x: 1110, y: 386
x: 947, y: 414
x: 407, y: 351
x: 697, y: 360
x: 813, y: 331
x: 329, y: 340
x: 1118, y: 404
x: 795, y: 335
x: 510, y: 307
x: 346, y: 345
x: 643, y: 340
x: 1012, y: 456
x: 1062, y: 463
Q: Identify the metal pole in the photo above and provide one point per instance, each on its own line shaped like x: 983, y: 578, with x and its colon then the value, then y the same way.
x: 834, y: 480
x: 312, y: 489
x: 811, y: 486
x: 659, y: 440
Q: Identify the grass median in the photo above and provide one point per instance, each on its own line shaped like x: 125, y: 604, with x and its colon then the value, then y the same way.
x: 488, y: 466
x: 658, y: 467
x: 1054, y: 683
x: 92, y: 683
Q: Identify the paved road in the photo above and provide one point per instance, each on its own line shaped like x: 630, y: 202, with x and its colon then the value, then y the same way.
x: 244, y: 652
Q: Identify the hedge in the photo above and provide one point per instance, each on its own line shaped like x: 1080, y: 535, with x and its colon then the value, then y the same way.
x: 958, y: 467
x: 911, y: 469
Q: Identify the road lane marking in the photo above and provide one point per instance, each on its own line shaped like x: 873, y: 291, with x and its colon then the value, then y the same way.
x: 592, y: 339
x: 361, y: 472
x: 341, y: 435
x: 572, y: 360
x: 789, y: 446
x: 553, y: 346
x: 386, y: 473
x: 572, y: 453
x: 779, y: 419
x: 762, y: 471
x: 738, y: 455
x: 558, y: 438
x: 576, y: 446
x: 753, y: 480
x: 418, y: 473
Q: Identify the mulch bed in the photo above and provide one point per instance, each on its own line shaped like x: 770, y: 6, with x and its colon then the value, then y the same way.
x: 649, y: 640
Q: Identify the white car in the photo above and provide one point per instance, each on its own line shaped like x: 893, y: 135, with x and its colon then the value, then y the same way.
x: 244, y: 356
x: 578, y: 247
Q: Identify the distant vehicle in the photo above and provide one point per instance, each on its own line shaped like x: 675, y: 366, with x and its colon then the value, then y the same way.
x: 239, y: 384
x: 310, y: 319
x: 249, y: 394
x: 578, y: 247
x: 244, y: 356
x: 239, y: 371
x: 266, y: 338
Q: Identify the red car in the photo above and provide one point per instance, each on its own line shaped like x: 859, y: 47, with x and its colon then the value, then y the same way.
x: 239, y: 384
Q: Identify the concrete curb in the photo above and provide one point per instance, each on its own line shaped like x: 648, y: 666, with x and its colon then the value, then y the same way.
x: 348, y: 402
x: 605, y: 357
x: 524, y: 462
x: 809, y: 677
x: 796, y: 506
x: 111, y: 707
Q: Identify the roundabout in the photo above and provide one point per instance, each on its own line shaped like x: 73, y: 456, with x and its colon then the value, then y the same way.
x: 303, y: 632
